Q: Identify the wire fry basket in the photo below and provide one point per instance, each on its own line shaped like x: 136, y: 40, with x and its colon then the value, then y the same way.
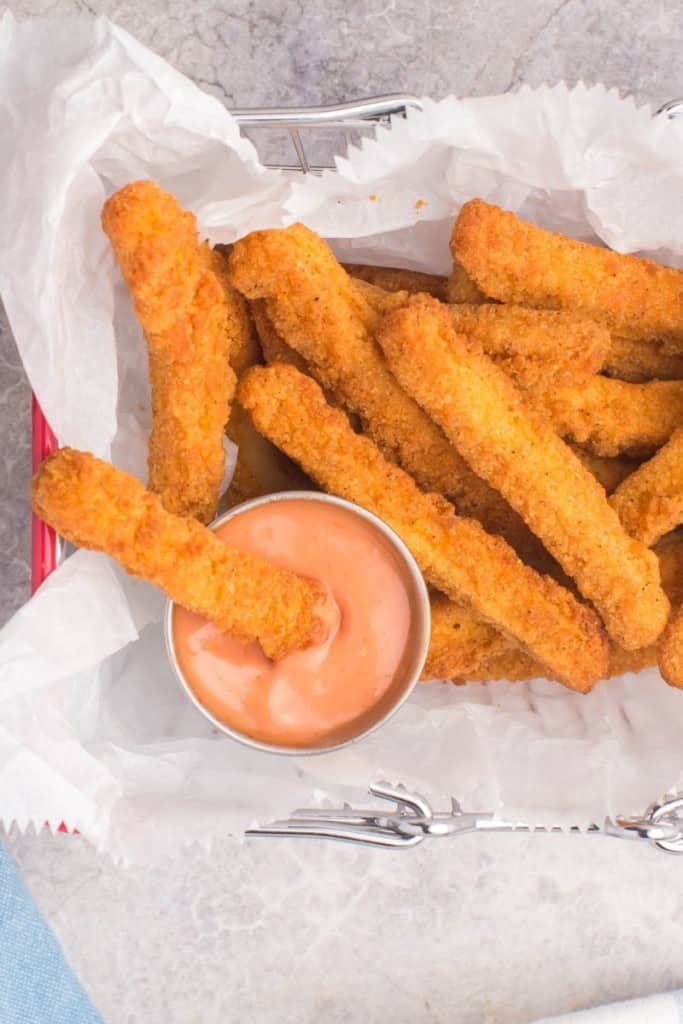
x: 307, y: 140
x: 315, y: 135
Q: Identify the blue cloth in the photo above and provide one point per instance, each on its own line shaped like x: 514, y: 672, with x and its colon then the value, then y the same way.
x: 36, y: 984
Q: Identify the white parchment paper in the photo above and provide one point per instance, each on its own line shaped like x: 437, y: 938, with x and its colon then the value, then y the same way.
x: 94, y: 731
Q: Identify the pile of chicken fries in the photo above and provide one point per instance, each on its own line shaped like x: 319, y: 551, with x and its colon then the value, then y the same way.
x: 519, y: 424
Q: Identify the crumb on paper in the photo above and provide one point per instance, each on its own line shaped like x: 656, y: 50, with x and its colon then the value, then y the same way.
x: 419, y: 204
x: 373, y: 197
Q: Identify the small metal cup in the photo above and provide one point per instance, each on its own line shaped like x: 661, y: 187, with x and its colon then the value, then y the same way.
x: 411, y: 665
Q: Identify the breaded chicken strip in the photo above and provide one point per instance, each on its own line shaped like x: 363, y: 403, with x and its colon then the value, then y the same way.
x: 516, y: 666
x: 379, y: 299
x: 671, y: 650
x: 313, y: 306
x: 456, y: 555
x: 637, y: 361
x: 459, y: 642
x: 275, y: 349
x: 395, y: 279
x: 669, y: 553
x: 518, y: 453
x: 536, y: 348
x: 261, y: 468
x: 97, y: 506
x: 614, y: 417
x: 245, y: 350
x: 513, y: 664
x: 188, y: 323
x: 608, y: 472
x: 514, y: 261
x: 461, y: 287
x: 650, y: 501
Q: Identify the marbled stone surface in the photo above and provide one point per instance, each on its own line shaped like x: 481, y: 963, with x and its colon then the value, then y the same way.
x: 491, y: 929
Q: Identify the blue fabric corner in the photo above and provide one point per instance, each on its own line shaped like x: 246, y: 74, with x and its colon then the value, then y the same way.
x: 36, y: 984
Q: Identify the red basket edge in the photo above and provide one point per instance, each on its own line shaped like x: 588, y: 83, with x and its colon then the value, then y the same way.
x: 43, y: 537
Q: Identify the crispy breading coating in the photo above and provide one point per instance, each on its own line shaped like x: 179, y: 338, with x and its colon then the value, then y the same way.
x: 275, y: 349
x: 313, y: 306
x: 456, y: 555
x: 614, y: 417
x: 97, y: 506
x: 461, y: 287
x: 516, y: 666
x: 536, y: 348
x: 514, y: 261
x: 459, y: 642
x: 518, y: 453
x: 188, y: 324
x: 650, y: 501
x: 671, y: 650
x: 261, y: 468
x: 245, y: 350
x: 609, y: 472
x: 378, y: 298
x: 669, y: 553
x: 635, y: 360
x: 513, y: 664
x: 396, y: 279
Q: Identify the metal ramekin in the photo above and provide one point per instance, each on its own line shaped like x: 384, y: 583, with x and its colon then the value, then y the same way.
x: 420, y: 627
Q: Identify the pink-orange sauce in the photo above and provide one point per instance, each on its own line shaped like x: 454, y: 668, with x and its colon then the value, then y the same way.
x: 317, y: 696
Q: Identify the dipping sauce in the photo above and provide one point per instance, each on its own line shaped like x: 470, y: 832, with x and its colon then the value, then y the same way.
x: 338, y: 687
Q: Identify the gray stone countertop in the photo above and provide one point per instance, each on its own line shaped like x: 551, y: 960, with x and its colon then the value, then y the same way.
x: 490, y: 929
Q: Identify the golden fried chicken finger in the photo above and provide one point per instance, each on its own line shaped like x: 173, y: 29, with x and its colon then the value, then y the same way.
x: 609, y: 472
x: 536, y: 348
x: 395, y: 279
x: 516, y: 666
x: 614, y: 417
x: 517, y: 262
x: 378, y: 298
x: 261, y: 468
x: 275, y: 349
x: 456, y: 555
x: 188, y: 324
x: 461, y: 287
x: 634, y: 360
x: 671, y: 650
x: 459, y: 642
x: 669, y: 553
x: 245, y: 350
x: 313, y: 306
x: 518, y: 453
x: 650, y: 501
x: 97, y: 506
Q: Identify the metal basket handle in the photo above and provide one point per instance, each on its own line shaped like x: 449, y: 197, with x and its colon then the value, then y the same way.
x: 672, y: 109
x: 344, y: 116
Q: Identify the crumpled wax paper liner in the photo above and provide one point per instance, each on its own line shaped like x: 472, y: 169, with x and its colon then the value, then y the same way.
x: 94, y: 729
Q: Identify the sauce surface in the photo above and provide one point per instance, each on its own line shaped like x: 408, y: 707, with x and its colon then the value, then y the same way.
x: 320, y: 695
